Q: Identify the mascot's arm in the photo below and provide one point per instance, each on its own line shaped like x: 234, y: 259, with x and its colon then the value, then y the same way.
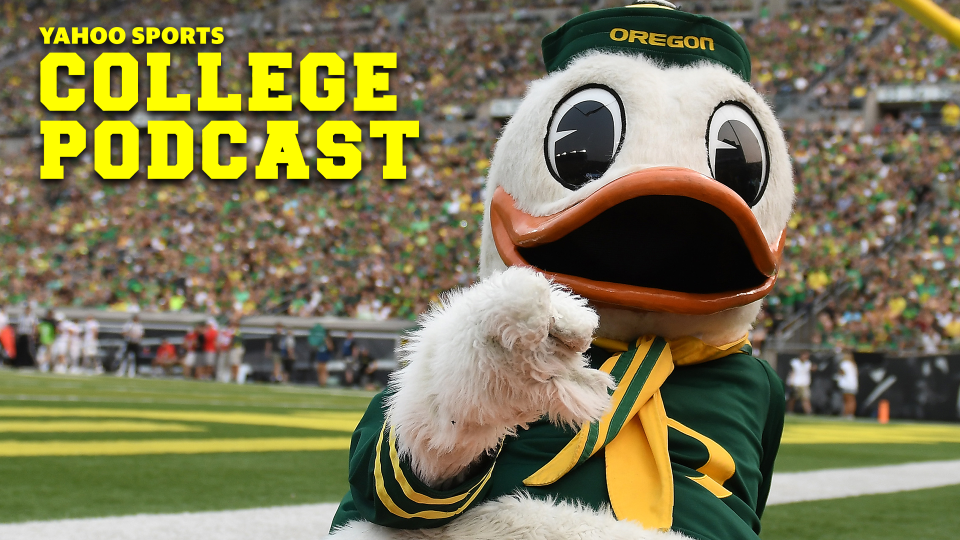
x: 491, y: 358
x: 384, y: 490
x: 772, y: 431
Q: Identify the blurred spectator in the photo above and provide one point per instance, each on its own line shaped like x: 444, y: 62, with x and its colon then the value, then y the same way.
x: 209, y: 345
x: 224, y: 350
x: 950, y: 115
x: 276, y: 349
x: 348, y: 352
x: 132, y: 335
x: 46, y: 337
x: 74, y: 345
x: 366, y: 367
x: 91, y: 343
x: 26, y: 334
x: 289, y: 352
x: 237, y: 351
x: 799, y: 382
x: 8, y: 339
x: 848, y: 381
x: 321, y: 346
x: 190, y: 348
x: 61, y: 345
x: 166, y: 357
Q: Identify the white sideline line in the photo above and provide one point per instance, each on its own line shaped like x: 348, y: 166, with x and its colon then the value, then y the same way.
x: 303, y: 522
x: 311, y: 521
x: 841, y: 483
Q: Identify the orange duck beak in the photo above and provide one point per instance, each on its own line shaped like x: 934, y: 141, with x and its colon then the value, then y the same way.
x: 663, y: 239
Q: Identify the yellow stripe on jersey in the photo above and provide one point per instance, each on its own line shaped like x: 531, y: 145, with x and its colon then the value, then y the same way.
x: 719, y: 467
x: 408, y: 490
x: 392, y: 506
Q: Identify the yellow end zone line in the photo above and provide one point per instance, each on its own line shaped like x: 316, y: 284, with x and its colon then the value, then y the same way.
x: 170, y: 446
x: 331, y: 422
x: 857, y: 433
x: 96, y: 426
x: 828, y: 433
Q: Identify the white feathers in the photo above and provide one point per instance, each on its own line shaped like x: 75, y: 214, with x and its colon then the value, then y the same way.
x: 667, y: 110
x: 492, y: 357
x: 518, y: 517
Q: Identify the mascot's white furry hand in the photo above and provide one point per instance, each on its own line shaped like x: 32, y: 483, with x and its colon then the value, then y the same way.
x: 492, y: 357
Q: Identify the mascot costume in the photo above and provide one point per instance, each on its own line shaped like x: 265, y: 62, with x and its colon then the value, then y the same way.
x: 597, y: 383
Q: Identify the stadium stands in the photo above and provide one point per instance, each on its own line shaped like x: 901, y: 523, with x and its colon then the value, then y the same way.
x: 374, y: 249
x: 910, y: 54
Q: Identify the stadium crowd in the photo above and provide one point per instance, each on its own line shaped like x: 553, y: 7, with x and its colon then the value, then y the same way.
x: 796, y: 49
x: 909, y: 55
x: 375, y: 249
x: 855, y: 191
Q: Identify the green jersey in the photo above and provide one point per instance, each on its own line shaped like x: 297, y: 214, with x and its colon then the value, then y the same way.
x: 47, y: 330
x: 725, y: 418
x: 318, y: 338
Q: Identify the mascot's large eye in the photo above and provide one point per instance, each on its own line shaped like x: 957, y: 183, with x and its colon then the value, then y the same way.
x: 738, y: 151
x: 584, y: 135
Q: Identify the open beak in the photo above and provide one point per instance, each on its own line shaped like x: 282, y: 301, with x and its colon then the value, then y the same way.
x: 663, y: 239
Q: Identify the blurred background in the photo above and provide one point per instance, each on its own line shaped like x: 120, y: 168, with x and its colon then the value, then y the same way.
x: 304, y: 277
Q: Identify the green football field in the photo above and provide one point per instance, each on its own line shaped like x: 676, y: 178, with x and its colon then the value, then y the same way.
x: 99, y: 446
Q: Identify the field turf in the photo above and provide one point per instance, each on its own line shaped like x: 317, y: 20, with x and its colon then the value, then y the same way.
x: 927, y: 514
x: 73, y: 446
x: 45, y: 414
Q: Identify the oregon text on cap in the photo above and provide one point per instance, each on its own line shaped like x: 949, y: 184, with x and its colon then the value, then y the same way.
x: 661, y: 40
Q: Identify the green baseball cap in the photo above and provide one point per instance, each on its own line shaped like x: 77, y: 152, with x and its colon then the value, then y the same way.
x: 656, y: 29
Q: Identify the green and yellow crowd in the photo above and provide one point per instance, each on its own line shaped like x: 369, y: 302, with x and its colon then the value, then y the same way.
x: 372, y: 248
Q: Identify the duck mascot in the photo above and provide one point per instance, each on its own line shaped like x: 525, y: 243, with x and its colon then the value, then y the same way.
x: 597, y: 382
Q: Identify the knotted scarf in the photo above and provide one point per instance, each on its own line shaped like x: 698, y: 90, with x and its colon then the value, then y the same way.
x: 633, y: 433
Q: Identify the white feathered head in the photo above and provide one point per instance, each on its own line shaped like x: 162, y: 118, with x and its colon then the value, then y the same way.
x: 644, y: 172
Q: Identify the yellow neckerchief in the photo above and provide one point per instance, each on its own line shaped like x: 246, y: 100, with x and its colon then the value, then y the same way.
x: 633, y: 433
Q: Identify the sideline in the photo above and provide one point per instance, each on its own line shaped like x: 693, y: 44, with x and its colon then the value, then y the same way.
x: 310, y: 522
x: 303, y: 522
x: 841, y: 483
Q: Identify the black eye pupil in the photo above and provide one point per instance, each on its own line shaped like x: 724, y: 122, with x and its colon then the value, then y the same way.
x: 584, y: 136
x: 739, y: 160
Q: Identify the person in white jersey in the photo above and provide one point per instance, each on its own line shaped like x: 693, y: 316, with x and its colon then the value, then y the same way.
x: 848, y: 381
x: 91, y: 342
x: 61, y: 345
x: 74, y: 346
x: 799, y: 382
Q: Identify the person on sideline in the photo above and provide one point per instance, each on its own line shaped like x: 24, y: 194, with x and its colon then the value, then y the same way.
x: 799, y: 382
x: 206, y: 367
x: 46, y: 337
x: 275, y: 349
x: 322, y: 345
x: 236, y: 351
x: 132, y: 336
x: 224, y: 347
x: 848, y: 382
x: 190, y: 342
x: 61, y: 345
x: 348, y: 351
x: 166, y: 356
x: 74, y: 346
x: 91, y: 343
x: 26, y: 335
x: 289, y: 354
